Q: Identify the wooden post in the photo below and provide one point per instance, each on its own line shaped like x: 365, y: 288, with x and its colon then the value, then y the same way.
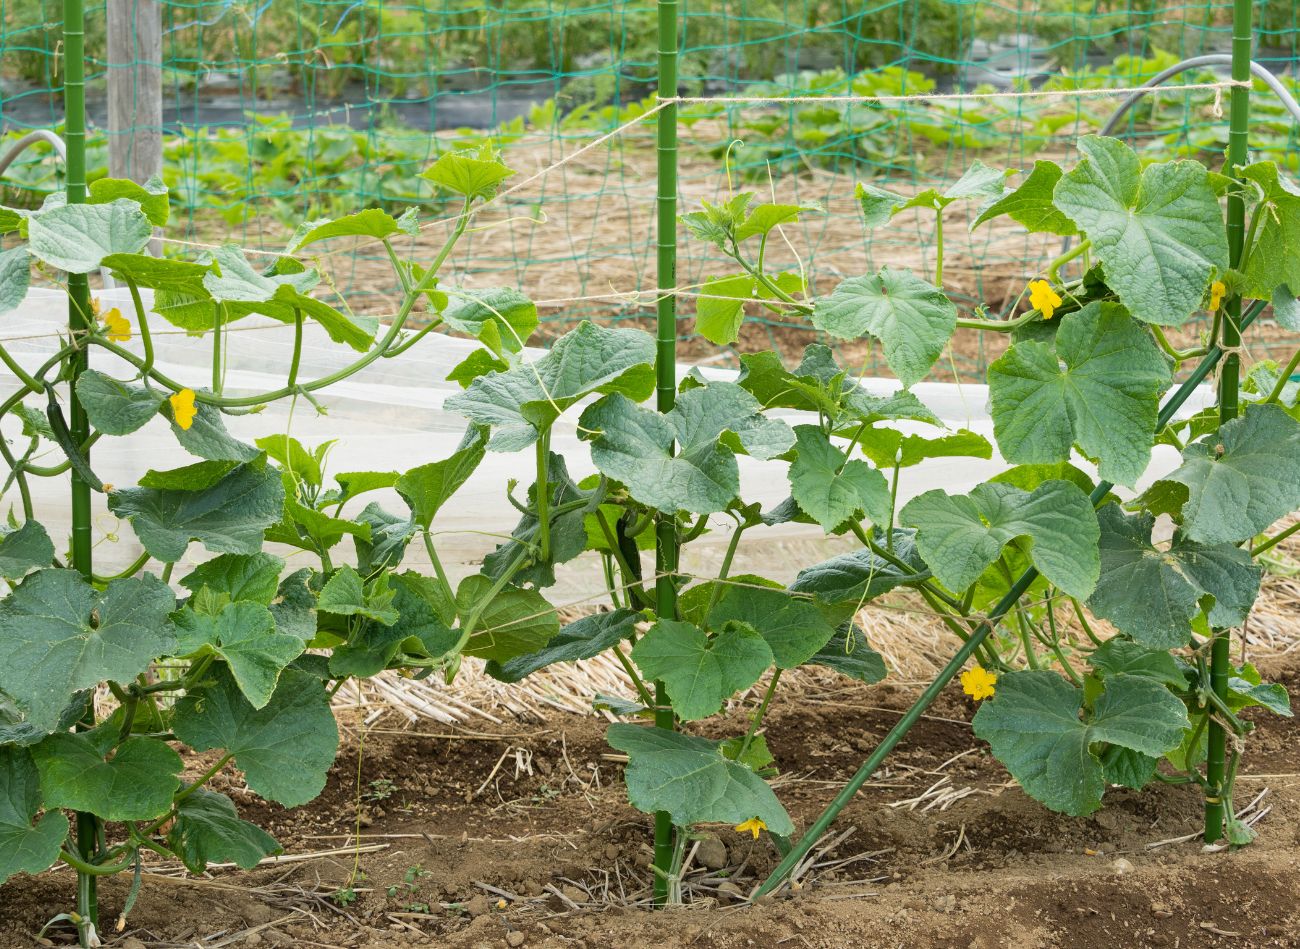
x: 135, y: 91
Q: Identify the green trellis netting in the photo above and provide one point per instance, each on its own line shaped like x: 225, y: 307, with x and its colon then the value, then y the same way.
x: 280, y: 110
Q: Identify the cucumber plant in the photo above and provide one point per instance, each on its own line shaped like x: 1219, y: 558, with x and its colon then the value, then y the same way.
x: 1079, y: 390
x: 235, y: 658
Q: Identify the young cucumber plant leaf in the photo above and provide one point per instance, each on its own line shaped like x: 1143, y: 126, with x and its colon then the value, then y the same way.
x: 1119, y: 656
x: 58, y: 634
x: 887, y: 447
x: 634, y: 445
x: 469, y: 175
x: 1236, y: 483
x: 1034, y: 728
x: 980, y: 182
x: 502, y: 319
x: 961, y: 536
x: 423, y: 614
x: 207, y: 436
x: 284, y: 749
x: 912, y: 319
x: 832, y: 488
x: 1248, y: 690
x: 581, y: 639
x: 77, y: 237
x: 207, y: 829
x: 345, y: 594
x: 116, y: 408
x: 720, y: 308
x: 693, y: 781
x: 1172, y: 582
x: 15, y: 277
x: 252, y: 577
x: 24, y: 549
x: 1157, y: 231
x: 529, y: 397
x: 700, y: 671
x: 243, y: 633
x: 849, y: 654
x: 856, y: 578
x: 151, y: 196
x: 137, y: 782
x: 1098, y: 386
x: 228, y: 517
x: 513, y: 623
x: 1030, y: 203
x: 25, y: 847
x: 427, y: 488
x: 372, y: 222
x: 1273, y: 259
x: 793, y: 627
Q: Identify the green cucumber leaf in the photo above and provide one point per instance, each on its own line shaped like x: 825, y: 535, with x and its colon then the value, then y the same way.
x: 345, y: 594
x: 502, y: 318
x: 859, y: 577
x: 252, y: 577
x: 243, y: 634
x: 1098, y: 386
x: 912, y: 319
x: 513, y: 623
x: 961, y: 536
x: 24, y: 549
x: 1273, y: 260
x: 1030, y: 203
x: 114, y: 407
x: 232, y: 516
x: 207, y: 829
x: 793, y: 627
x: 888, y: 446
x: 285, y: 749
x: 15, y: 277
x: 526, y: 398
x: 372, y: 222
x: 693, y: 781
x: 831, y: 488
x: 58, y: 635
x: 720, y: 307
x: 25, y: 847
x: 427, y: 488
x: 1119, y: 656
x: 468, y: 174
x: 1241, y: 479
x: 581, y: 639
x: 1158, y: 231
x: 77, y: 237
x: 151, y: 196
x: 700, y: 671
x: 849, y: 654
x: 1171, y: 582
x: 207, y: 436
x: 1034, y: 727
x: 137, y: 782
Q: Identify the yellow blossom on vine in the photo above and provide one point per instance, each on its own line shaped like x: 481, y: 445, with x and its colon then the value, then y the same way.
x: 753, y: 825
x: 978, y: 683
x: 1217, y: 292
x: 94, y: 306
x: 183, y: 409
x: 119, y: 327
x: 1043, y: 298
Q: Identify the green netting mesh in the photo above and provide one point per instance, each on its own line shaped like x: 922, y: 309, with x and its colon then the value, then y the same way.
x: 277, y: 110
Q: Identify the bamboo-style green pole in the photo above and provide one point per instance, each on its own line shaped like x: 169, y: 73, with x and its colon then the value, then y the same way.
x: 1238, y: 134
x: 913, y: 714
x: 666, y: 376
x: 74, y: 109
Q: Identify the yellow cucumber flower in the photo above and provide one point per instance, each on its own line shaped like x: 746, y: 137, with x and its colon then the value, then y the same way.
x: 978, y: 683
x: 753, y: 825
x: 1217, y: 292
x: 119, y: 327
x: 183, y: 408
x: 1043, y: 298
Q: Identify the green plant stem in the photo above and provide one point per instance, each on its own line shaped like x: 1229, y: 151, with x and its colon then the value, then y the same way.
x: 637, y: 682
x: 938, y: 248
x: 725, y: 569
x: 86, y: 869
x: 893, y: 507
x: 204, y: 778
x: 142, y: 321
x: 130, y: 571
x: 543, y: 499
x: 757, y: 719
x: 437, y: 565
x: 1276, y: 392
x: 296, y: 359
x: 1274, y: 540
x: 999, y: 326
x: 1078, y: 250
x: 1026, y: 638
x: 631, y: 579
x: 1083, y: 622
x: 218, y: 311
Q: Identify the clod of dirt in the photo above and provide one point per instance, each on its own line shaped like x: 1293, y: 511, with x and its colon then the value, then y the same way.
x: 130, y: 942
x: 574, y: 894
x: 515, y: 939
x: 712, y: 854
x: 478, y: 906
x: 1120, y: 866
x: 729, y: 892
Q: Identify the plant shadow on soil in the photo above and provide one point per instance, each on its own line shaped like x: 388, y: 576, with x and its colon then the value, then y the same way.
x: 527, y: 839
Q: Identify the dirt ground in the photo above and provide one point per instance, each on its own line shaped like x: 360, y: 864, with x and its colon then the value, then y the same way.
x: 523, y: 837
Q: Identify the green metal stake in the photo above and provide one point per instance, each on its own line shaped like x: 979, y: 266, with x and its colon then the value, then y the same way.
x: 1229, y: 378
x: 666, y: 551
x: 74, y: 107
x: 913, y: 714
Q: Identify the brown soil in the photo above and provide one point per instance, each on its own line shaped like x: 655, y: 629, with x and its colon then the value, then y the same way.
x: 537, y: 818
